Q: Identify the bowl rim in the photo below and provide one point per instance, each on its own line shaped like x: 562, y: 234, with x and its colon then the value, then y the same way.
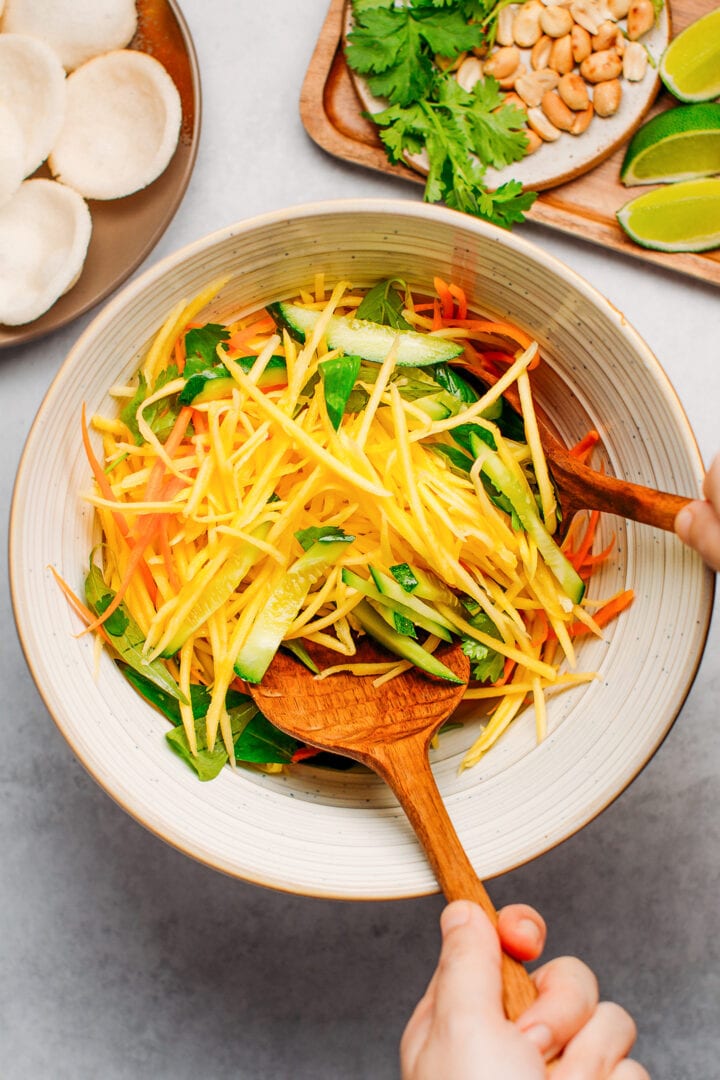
x: 135, y: 288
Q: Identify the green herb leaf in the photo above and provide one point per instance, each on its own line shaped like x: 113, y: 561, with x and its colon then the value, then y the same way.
x: 201, y: 347
x: 262, y: 743
x: 384, y: 304
x: 486, y: 664
x: 322, y: 534
x: 394, y: 46
x: 404, y: 576
x: 125, y: 636
x: 338, y: 378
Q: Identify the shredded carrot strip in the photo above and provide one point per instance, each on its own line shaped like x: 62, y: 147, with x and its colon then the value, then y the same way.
x: 304, y: 752
x: 241, y: 338
x: 582, y: 450
x: 578, y: 557
x: 76, y: 604
x: 459, y: 295
x: 605, y: 613
x: 446, y: 298
x: 172, y: 443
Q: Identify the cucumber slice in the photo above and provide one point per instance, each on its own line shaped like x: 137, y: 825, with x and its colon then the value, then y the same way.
x: 369, y: 340
x: 217, y: 590
x: 392, y: 590
x: 216, y: 383
x: 406, y: 648
x: 523, y: 503
x: 282, y: 607
x: 419, y: 613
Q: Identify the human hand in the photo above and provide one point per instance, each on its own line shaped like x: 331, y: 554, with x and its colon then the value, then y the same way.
x: 459, y: 1031
x: 698, y: 523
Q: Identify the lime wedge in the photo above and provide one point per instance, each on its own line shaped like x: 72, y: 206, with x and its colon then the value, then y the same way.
x: 678, y: 217
x: 680, y: 144
x: 690, y: 66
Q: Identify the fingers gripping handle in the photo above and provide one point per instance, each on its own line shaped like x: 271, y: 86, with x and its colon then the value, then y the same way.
x: 405, y: 767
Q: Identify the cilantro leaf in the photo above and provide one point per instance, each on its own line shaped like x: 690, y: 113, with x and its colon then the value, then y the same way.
x: 404, y: 576
x: 486, y: 663
x: 394, y: 47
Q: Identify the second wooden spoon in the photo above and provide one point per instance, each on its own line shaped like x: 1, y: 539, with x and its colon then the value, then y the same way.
x: 579, y: 487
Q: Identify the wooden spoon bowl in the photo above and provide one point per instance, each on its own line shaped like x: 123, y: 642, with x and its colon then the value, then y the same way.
x: 388, y: 728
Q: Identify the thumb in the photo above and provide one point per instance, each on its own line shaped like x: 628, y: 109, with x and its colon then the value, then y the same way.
x: 469, y: 975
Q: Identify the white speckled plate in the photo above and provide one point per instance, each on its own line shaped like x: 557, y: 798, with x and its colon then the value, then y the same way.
x: 342, y: 834
x: 571, y: 155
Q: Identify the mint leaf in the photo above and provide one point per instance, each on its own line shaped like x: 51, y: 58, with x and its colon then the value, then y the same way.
x: 262, y: 743
x: 201, y: 347
x: 384, y: 304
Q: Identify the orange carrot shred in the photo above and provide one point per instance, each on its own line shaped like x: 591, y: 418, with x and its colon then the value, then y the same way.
x: 446, y: 298
x: 605, y: 613
x: 76, y: 603
x: 459, y: 295
x: 581, y: 450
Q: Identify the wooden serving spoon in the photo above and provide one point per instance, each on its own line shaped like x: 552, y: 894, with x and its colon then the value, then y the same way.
x: 389, y: 728
x: 579, y: 487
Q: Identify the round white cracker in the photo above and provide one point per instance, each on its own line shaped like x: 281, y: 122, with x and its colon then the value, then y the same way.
x: 121, y: 125
x: 12, y: 154
x: 32, y: 86
x: 45, y: 230
x: 76, y: 29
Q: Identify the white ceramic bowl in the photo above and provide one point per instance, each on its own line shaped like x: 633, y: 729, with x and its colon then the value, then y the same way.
x: 340, y: 834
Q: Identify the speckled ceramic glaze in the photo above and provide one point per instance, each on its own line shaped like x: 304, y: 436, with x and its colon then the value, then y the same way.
x: 342, y: 834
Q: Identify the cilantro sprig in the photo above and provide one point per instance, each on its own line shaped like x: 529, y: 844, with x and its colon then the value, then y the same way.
x: 463, y: 133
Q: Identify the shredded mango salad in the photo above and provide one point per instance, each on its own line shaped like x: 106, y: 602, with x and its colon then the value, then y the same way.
x: 321, y: 469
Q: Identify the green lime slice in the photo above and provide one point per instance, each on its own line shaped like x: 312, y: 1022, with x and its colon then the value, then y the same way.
x: 678, y: 217
x: 690, y: 66
x: 680, y: 144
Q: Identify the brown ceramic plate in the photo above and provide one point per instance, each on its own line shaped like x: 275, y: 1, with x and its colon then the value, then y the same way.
x: 126, y: 230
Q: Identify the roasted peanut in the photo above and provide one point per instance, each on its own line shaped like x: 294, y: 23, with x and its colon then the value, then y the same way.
x: 582, y: 120
x: 573, y: 91
x: 503, y: 62
x: 606, y: 97
x: 640, y: 18
x: 601, y: 66
x: 556, y: 21
x: 605, y: 37
x: 581, y: 43
x: 557, y: 111
x: 469, y: 72
x: 540, y: 53
x: 618, y: 8
x: 635, y: 61
x: 532, y: 86
x: 508, y: 83
x: 526, y: 24
x: 539, y: 123
x: 534, y: 142
x: 561, y: 57
x: 504, y: 32
x: 588, y: 14
x: 514, y: 99
x: 446, y: 63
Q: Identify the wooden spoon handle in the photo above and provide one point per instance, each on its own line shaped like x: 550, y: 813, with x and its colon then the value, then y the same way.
x: 585, y: 487
x: 405, y: 767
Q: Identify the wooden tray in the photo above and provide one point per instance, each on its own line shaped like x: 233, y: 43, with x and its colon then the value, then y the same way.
x: 332, y: 115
